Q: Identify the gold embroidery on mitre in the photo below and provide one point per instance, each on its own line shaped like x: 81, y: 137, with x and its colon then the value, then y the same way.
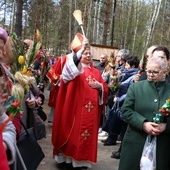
x: 89, y: 78
x: 85, y: 134
x: 89, y: 106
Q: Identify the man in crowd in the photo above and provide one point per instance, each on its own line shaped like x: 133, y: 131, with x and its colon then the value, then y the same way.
x: 81, y: 97
x: 121, y: 57
x: 103, y: 62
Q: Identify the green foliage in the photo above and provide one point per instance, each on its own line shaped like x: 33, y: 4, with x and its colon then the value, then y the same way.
x: 32, y: 55
x: 29, y: 53
x: 18, y: 49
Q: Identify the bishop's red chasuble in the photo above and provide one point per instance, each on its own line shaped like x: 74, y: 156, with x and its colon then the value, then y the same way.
x: 77, y: 116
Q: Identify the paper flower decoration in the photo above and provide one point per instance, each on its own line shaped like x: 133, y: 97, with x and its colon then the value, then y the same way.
x: 25, y: 55
x: 22, y: 66
x: 21, y: 59
x: 14, y: 106
x: 163, y: 112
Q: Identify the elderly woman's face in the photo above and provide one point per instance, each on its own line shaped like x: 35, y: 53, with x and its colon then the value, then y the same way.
x: 155, y: 73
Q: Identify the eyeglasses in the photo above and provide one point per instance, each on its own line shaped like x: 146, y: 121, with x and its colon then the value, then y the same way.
x: 153, y: 72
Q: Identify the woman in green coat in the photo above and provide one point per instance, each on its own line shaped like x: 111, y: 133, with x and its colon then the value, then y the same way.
x: 143, y: 100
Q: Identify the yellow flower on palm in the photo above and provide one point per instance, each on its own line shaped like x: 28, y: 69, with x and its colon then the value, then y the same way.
x: 21, y: 59
x: 24, y: 70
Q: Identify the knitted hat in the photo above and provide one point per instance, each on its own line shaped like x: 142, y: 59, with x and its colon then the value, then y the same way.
x: 76, y: 44
x: 3, y: 35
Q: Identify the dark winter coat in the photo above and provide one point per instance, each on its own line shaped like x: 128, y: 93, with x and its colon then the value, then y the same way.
x: 126, y: 79
x: 28, y: 116
x: 101, y: 67
x: 142, y: 100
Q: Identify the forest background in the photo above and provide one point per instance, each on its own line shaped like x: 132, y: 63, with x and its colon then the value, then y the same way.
x: 130, y: 24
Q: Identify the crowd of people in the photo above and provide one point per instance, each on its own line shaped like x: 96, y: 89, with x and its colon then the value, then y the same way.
x: 141, y: 92
x: 20, y: 99
x: 126, y: 70
x: 82, y: 97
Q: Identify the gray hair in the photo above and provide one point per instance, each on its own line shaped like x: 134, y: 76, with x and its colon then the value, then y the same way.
x: 124, y: 53
x: 162, y: 63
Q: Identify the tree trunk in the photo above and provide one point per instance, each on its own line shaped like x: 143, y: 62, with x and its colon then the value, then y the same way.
x: 18, y: 24
x: 127, y: 24
x: 89, y: 20
x: 137, y: 8
x: 75, y: 22
x: 163, y: 21
x: 12, y: 18
x: 85, y: 16
x: 120, y: 38
x: 106, y: 22
x: 95, y: 20
x: 70, y: 23
x: 153, y: 22
x: 4, y: 19
x: 98, y: 35
x: 113, y: 22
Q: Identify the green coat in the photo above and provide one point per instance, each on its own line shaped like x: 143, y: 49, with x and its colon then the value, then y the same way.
x: 142, y: 100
